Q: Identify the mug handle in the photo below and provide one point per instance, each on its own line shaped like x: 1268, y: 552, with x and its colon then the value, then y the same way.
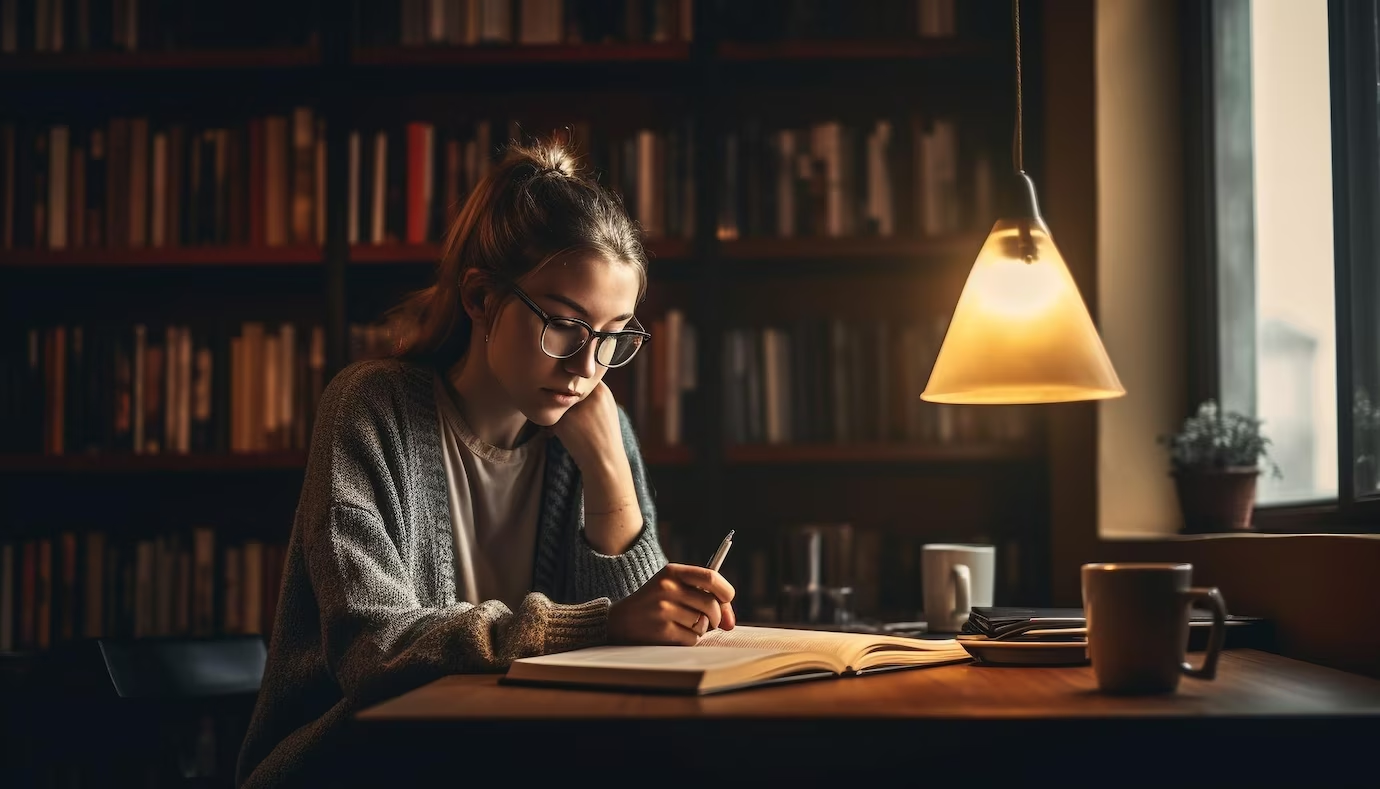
x: 1213, y: 597
x: 963, y: 590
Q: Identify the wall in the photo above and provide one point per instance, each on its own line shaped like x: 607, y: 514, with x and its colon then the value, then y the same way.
x: 1139, y: 262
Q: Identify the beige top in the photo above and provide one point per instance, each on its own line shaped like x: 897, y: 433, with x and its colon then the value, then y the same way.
x: 495, y: 498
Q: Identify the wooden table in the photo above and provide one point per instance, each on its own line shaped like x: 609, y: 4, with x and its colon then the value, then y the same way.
x: 1265, y: 717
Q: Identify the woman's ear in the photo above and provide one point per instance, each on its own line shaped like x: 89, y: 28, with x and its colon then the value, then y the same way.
x: 473, y: 296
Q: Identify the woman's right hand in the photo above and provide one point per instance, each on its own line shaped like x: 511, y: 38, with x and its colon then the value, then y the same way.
x: 675, y: 607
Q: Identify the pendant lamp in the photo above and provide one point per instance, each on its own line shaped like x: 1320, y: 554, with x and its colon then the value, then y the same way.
x: 1021, y: 332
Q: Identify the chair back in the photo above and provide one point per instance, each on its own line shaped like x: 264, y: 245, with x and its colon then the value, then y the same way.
x: 184, y: 668
x: 165, y: 668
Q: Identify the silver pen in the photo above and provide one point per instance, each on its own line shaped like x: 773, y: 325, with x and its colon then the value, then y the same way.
x: 718, y: 560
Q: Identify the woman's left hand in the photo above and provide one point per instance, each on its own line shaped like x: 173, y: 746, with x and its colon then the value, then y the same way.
x: 591, y: 433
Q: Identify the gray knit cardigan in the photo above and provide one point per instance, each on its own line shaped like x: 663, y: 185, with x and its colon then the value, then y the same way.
x: 368, y: 607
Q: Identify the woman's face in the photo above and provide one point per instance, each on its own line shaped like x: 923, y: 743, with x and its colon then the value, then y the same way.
x: 586, y: 286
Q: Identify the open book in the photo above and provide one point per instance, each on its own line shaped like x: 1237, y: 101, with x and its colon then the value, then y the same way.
x: 731, y: 659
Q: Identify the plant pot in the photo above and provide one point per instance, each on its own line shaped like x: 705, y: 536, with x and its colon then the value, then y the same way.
x: 1216, y: 500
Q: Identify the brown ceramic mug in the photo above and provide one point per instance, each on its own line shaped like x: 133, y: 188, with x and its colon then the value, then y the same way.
x: 1138, y: 615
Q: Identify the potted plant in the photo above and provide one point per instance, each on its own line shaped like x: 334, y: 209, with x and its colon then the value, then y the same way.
x: 1215, y: 459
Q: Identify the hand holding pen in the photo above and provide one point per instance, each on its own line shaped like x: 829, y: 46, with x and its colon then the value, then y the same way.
x: 718, y: 559
x: 715, y: 562
x: 676, y: 606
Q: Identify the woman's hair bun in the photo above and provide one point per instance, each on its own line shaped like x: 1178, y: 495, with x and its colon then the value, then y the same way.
x: 547, y: 157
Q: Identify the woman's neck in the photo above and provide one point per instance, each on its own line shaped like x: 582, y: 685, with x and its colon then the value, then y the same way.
x: 483, y: 403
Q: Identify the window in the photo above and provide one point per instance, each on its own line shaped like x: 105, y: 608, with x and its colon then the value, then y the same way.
x: 1282, y: 152
x: 1295, y: 323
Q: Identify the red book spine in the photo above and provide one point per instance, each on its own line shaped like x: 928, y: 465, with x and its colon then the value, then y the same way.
x: 416, y: 172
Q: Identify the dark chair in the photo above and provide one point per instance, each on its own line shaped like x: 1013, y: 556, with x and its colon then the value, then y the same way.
x: 157, y: 711
x: 184, y: 668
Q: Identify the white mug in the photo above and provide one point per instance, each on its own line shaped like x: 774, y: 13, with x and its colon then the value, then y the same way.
x: 956, y: 578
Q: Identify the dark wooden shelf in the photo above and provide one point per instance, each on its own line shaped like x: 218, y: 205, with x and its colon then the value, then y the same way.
x: 917, y: 49
x: 123, y: 464
x: 808, y: 248
x: 744, y: 454
x: 659, y: 249
x: 258, y: 461
x: 397, y: 56
x: 766, y: 454
x: 395, y: 253
x: 210, y: 59
x: 517, y: 55
x: 295, y: 255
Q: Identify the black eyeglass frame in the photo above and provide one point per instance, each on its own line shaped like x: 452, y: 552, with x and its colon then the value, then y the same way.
x: 594, y: 334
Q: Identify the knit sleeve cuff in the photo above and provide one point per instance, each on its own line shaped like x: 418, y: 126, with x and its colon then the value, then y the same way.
x: 616, y: 577
x: 578, y: 625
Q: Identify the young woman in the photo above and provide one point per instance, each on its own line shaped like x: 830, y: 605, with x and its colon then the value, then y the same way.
x: 480, y: 497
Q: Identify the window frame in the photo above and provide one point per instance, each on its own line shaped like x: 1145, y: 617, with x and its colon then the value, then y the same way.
x: 1220, y: 248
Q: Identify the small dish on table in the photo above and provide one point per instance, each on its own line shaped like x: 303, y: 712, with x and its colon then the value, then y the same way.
x: 1067, y: 651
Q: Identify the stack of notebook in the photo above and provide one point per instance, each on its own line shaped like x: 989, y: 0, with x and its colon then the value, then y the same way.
x: 1026, y: 624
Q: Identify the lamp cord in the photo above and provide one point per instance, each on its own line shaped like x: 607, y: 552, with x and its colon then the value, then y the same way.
x: 1018, y: 146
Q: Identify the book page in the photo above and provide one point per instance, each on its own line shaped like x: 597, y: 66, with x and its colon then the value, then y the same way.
x: 652, y: 657
x: 671, y: 667
x: 857, y: 651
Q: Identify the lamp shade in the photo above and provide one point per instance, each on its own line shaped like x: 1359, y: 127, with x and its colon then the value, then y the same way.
x: 1021, y: 332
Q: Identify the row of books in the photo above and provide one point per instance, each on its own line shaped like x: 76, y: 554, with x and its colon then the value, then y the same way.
x: 91, y: 584
x: 423, y: 23
x: 840, y: 180
x: 57, y: 26
x: 80, y: 584
x: 841, y: 381
x: 133, y: 182
x: 171, y: 389
x: 406, y: 182
x: 130, y: 184
x: 178, y: 389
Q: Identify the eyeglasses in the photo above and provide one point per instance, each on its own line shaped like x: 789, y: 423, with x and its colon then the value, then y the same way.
x: 562, y: 338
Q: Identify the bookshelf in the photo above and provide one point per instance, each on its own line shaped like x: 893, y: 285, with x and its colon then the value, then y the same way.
x: 715, y: 91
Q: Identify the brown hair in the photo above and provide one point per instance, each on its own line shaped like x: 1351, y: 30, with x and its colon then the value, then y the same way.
x: 534, y: 205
